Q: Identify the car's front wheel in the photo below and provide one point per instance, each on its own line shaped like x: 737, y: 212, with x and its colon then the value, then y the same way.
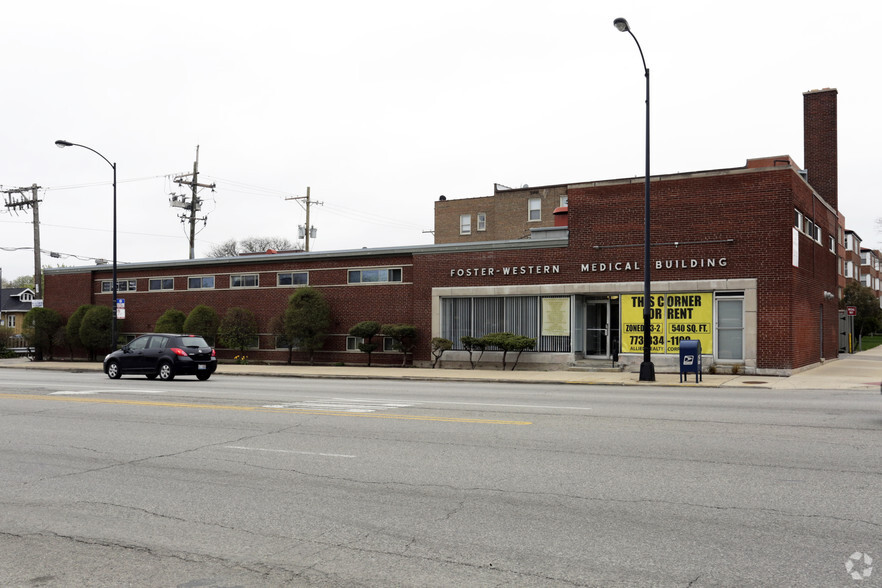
x: 113, y: 371
x: 203, y: 375
x: 166, y: 371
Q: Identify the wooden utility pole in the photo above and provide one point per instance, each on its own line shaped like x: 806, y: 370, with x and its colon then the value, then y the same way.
x: 195, y: 202
x: 308, y: 228
x: 20, y: 203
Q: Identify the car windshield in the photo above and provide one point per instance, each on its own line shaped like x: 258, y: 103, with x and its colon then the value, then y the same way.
x: 194, y: 342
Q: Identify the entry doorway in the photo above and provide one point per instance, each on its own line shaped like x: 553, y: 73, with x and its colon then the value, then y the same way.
x: 601, y: 326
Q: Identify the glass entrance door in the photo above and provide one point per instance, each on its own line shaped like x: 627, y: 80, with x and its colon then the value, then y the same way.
x: 597, y: 327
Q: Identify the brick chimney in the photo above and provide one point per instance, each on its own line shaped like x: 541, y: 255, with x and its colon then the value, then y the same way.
x: 819, y: 143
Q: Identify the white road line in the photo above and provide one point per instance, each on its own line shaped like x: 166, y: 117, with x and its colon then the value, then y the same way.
x: 341, y: 405
x: 85, y: 392
x: 424, y: 402
x: 289, y: 451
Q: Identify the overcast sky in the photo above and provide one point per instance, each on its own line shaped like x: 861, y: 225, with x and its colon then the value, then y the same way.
x: 382, y: 106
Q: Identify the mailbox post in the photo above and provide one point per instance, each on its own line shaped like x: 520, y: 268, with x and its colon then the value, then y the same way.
x: 690, y: 358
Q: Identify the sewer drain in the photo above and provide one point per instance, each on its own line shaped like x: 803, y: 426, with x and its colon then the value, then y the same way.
x: 755, y: 382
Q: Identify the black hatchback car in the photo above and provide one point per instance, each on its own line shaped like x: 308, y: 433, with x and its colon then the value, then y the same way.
x: 163, y: 355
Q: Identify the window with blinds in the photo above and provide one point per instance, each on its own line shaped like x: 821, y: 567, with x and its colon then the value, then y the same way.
x: 480, y: 316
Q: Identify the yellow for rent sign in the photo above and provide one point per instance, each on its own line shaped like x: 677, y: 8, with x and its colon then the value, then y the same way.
x: 674, y: 317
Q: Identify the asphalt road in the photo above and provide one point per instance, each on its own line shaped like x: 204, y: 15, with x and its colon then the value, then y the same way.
x: 243, y: 481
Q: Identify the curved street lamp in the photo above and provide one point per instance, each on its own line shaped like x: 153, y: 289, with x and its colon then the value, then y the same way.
x: 62, y: 143
x: 647, y: 369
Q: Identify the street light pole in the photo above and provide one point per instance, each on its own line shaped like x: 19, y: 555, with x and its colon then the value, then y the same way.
x: 61, y: 143
x: 647, y: 369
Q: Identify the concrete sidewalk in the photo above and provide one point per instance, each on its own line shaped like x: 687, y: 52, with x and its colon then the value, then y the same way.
x: 859, y: 371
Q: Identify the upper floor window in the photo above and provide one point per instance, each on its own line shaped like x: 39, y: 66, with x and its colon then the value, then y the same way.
x: 293, y: 278
x: 161, y: 284
x: 243, y: 281
x: 465, y: 224
x: 564, y: 200
x: 370, y: 276
x: 482, y: 221
x: 121, y: 285
x: 534, y: 207
x: 200, y: 282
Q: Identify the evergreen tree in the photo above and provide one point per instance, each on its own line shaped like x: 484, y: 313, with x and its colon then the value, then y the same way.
x: 307, y: 320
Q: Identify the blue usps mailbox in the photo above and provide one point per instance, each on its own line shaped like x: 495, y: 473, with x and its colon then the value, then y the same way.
x: 690, y: 358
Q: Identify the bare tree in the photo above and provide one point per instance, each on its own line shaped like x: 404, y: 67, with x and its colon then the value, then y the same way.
x: 229, y: 248
x: 232, y: 248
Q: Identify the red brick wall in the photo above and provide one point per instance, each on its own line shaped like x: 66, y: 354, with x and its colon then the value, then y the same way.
x: 744, y: 216
x: 820, y: 143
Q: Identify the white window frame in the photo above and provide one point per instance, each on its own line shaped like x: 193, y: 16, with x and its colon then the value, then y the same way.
x: 725, y: 297
x: 201, y: 285
x: 10, y: 319
x: 534, y: 205
x: 465, y: 224
x: 481, y: 224
x: 352, y: 343
x: 293, y: 284
x: 162, y: 282
x: 390, y: 275
x: 121, y: 285
x: 242, y: 278
x: 564, y: 201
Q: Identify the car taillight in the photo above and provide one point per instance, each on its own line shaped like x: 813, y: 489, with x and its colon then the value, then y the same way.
x: 178, y: 351
x: 213, y: 354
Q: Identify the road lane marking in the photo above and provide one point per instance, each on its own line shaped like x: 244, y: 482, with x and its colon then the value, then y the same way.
x: 104, y: 391
x: 342, y: 405
x: 402, y: 417
x: 288, y: 451
x: 497, y: 404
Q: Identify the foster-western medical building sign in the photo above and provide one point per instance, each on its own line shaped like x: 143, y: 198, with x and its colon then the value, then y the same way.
x: 595, y: 267
x: 673, y: 318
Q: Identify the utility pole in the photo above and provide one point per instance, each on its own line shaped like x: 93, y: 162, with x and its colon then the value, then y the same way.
x: 307, y: 231
x: 21, y: 202
x: 195, y: 203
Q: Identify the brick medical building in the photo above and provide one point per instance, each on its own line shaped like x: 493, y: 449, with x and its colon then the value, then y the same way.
x: 744, y: 259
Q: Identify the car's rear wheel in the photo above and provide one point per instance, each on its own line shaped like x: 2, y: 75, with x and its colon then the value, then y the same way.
x: 166, y: 371
x: 203, y: 375
x: 113, y: 371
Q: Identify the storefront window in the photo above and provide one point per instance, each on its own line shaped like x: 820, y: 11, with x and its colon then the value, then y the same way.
x: 730, y: 328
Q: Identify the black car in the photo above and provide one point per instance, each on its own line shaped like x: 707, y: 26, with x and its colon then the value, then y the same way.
x: 164, y: 355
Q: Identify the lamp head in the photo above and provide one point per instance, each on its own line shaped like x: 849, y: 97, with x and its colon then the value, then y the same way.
x: 61, y: 143
x: 621, y: 24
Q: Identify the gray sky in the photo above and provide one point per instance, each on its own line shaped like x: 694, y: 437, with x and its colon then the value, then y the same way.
x: 382, y: 106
